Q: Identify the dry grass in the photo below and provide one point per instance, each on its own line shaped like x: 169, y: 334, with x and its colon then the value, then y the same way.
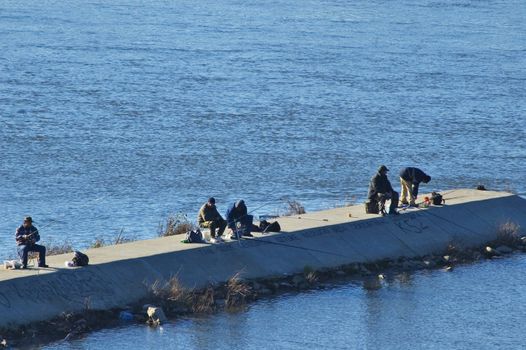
x: 311, y: 277
x: 237, y: 292
x: 509, y: 234
x: 120, y: 238
x: 204, y: 302
x: 57, y: 249
x: 176, y: 224
x: 293, y: 207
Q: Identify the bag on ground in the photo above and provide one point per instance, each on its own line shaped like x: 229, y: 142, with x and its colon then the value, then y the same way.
x: 371, y: 207
x: 194, y: 236
x: 265, y: 226
x: 80, y: 259
x: 437, y: 199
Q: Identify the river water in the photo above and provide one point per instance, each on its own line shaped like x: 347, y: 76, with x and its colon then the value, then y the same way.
x: 114, y: 115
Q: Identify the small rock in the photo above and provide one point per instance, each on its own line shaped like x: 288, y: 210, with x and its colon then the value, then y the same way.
x: 156, y: 314
x: 446, y: 258
x: 488, y: 251
x: 448, y: 268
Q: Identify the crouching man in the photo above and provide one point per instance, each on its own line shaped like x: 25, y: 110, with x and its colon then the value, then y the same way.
x: 26, y: 238
x: 209, y: 217
x: 239, y: 221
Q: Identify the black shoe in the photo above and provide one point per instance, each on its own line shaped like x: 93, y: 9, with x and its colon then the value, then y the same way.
x: 394, y: 213
x: 24, y: 267
x: 43, y: 265
x: 248, y: 235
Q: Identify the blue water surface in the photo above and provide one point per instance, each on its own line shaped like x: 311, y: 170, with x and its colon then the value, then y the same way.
x: 115, y: 114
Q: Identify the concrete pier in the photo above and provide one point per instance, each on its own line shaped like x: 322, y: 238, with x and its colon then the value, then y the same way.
x: 120, y: 275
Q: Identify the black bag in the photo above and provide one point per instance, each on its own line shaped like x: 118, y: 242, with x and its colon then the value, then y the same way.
x: 80, y: 259
x: 194, y: 236
x: 371, y: 207
x: 437, y: 199
x: 266, y: 226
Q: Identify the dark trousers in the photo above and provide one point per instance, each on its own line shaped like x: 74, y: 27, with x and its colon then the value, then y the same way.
x: 213, y: 225
x: 393, y: 196
x: 24, y: 249
x: 246, y: 225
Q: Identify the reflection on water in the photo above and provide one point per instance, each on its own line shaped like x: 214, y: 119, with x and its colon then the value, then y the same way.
x: 476, y: 306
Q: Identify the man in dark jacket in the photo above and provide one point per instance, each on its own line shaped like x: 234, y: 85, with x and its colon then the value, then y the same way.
x: 209, y: 217
x: 380, y: 189
x: 26, y: 238
x: 239, y: 221
x: 410, y: 179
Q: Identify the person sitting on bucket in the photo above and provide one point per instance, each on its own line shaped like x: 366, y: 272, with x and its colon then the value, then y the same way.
x: 410, y: 179
x: 238, y: 220
x: 380, y: 189
x: 26, y: 238
x: 209, y: 217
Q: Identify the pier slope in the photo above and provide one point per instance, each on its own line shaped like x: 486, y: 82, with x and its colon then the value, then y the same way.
x: 120, y: 275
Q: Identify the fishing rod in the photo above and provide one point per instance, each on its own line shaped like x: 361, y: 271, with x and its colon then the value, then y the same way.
x: 259, y: 239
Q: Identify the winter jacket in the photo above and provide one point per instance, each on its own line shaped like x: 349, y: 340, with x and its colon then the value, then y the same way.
x: 22, y: 231
x: 379, y: 184
x: 236, y: 212
x: 208, y: 213
x: 413, y: 175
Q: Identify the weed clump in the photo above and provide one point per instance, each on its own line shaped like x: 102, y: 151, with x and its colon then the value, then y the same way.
x: 237, y: 292
x: 509, y: 234
x: 176, y: 224
x: 294, y: 208
x: 120, y: 238
x: 57, y: 249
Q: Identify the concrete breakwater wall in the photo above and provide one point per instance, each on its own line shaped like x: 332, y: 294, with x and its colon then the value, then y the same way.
x: 120, y: 275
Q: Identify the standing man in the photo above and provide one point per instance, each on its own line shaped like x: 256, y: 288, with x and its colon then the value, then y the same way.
x: 380, y: 190
x: 410, y: 179
x: 209, y: 217
x: 26, y: 238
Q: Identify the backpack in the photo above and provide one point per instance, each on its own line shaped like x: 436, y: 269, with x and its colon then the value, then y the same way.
x: 80, y: 259
x: 194, y: 236
x: 265, y: 226
x: 437, y: 199
x: 371, y: 207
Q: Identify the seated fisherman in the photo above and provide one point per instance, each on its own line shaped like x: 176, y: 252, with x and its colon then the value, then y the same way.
x: 209, y: 217
x: 239, y: 221
x: 380, y: 190
x: 26, y: 238
x: 410, y: 179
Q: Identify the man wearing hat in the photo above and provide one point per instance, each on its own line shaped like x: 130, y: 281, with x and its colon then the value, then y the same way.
x: 410, y: 179
x: 209, y: 217
x: 239, y: 221
x: 26, y: 238
x: 380, y: 189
